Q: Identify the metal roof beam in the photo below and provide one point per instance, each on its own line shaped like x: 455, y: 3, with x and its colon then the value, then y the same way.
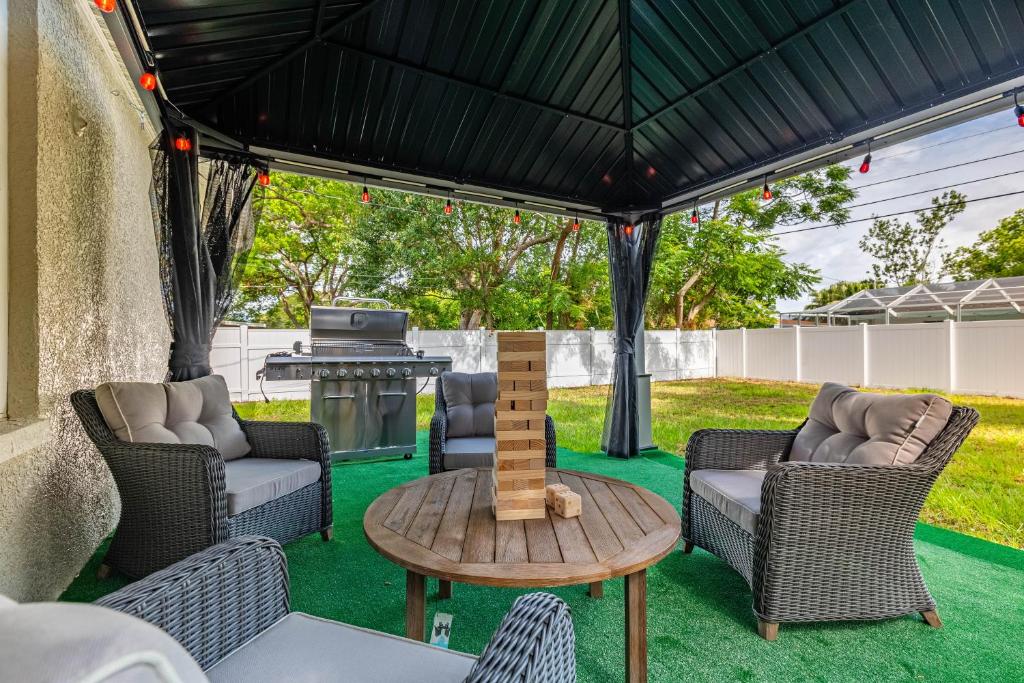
x: 743, y: 66
x: 465, y: 83
x: 299, y: 49
x: 626, y: 68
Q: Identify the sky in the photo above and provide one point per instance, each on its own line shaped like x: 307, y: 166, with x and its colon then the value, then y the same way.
x: 835, y: 252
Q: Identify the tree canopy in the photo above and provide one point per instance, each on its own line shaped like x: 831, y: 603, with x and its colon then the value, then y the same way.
x: 478, y: 266
x: 837, y: 291
x: 997, y: 253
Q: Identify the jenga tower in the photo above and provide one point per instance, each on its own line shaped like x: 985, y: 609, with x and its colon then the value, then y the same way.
x: 520, y: 444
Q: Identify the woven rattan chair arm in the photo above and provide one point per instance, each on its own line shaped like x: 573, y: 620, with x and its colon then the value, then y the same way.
x: 535, y: 642
x: 287, y: 440
x: 215, y: 600
x: 737, y: 449
x: 172, y: 476
x: 438, y: 436
x: 551, y: 445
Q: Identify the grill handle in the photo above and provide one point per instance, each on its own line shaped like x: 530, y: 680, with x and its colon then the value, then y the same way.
x: 362, y: 300
x: 338, y: 397
x: 391, y: 393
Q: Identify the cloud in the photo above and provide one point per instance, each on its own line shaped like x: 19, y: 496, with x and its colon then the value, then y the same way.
x: 835, y: 251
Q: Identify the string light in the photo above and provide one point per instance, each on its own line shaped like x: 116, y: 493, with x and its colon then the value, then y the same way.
x: 865, y: 165
x: 147, y: 81
x: 365, y: 196
x: 694, y: 218
x: 448, y: 207
x: 628, y: 230
x: 264, y: 178
x: 106, y: 6
x: 766, y: 192
x: 182, y: 143
x: 576, y: 223
x: 1018, y: 111
x: 517, y: 219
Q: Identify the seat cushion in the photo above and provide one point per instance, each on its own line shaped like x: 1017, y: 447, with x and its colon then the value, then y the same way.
x: 305, y: 648
x: 734, y: 493
x: 250, y: 482
x: 860, y: 428
x: 63, y: 641
x: 476, y: 451
x: 470, y: 399
x: 195, y: 412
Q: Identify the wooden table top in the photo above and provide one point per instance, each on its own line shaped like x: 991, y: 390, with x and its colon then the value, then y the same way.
x: 443, y: 526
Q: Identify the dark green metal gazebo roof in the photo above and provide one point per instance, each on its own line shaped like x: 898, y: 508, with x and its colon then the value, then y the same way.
x: 526, y: 100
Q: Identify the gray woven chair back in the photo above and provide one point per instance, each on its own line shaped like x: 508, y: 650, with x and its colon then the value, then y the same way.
x: 535, y: 643
x: 88, y: 411
x: 940, y: 451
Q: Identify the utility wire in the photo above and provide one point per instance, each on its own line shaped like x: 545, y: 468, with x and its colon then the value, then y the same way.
x: 944, y: 142
x: 943, y: 168
x: 891, y: 215
x: 935, y: 189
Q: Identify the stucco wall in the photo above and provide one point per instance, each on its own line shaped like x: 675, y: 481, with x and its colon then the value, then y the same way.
x: 85, y: 255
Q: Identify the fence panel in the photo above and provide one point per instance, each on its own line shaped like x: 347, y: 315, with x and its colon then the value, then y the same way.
x: 771, y: 354
x: 832, y: 354
x: 988, y: 357
x: 914, y: 355
x: 729, y: 348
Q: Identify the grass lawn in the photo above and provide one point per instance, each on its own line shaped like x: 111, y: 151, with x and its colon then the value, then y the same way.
x: 981, y: 492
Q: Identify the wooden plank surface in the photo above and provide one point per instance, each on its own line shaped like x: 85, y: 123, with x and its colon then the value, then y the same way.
x: 541, y: 543
x: 602, y: 538
x: 479, y: 542
x: 428, y: 517
x: 451, y: 532
x: 639, y: 509
x: 510, y: 542
x: 621, y: 522
x: 401, y: 516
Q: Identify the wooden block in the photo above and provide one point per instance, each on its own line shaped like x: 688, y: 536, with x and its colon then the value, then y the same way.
x: 550, y: 490
x: 505, y: 366
x: 502, y: 415
x: 530, y: 356
x: 568, y: 504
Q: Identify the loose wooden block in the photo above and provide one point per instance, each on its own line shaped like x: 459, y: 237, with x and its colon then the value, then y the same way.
x: 568, y: 504
x: 551, y: 490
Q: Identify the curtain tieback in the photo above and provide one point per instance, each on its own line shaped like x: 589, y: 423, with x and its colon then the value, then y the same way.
x: 183, y: 355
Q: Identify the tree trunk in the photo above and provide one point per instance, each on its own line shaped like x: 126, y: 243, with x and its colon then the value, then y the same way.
x: 556, y: 267
x: 470, y: 320
x: 681, y: 296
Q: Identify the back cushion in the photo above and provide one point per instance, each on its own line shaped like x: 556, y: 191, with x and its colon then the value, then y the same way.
x: 470, y: 399
x: 196, y: 412
x: 858, y: 428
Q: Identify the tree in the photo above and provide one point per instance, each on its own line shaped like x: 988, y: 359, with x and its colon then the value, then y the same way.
x: 837, y: 291
x: 997, y: 253
x: 906, y: 254
x: 726, y: 269
x: 304, y: 251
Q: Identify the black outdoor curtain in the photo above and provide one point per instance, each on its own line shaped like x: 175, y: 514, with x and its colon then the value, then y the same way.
x: 630, y: 257
x: 202, y: 251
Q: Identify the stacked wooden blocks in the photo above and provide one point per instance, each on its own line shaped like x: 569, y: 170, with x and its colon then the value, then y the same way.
x: 520, y: 443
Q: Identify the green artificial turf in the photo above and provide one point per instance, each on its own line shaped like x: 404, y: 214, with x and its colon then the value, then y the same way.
x: 700, y: 627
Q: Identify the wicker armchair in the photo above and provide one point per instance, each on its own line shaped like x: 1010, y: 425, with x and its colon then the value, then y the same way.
x: 440, y: 443
x: 833, y: 541
x: 228, y: 606
x: 173, y: 497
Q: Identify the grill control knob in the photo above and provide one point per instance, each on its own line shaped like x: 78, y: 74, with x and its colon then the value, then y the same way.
x: 390, y: 372
x: 433, y: 372
x: 342, y: 372
x: 375, y: 372
x: 406, y: 372
x: 325, y: 373
x: 358, y: 372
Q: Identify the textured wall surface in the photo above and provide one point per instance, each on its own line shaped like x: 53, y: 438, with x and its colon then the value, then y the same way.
x: 100, y: 315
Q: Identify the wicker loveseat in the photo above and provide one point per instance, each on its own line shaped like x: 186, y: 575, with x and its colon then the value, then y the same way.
x: 179, y: 498
x: 816, y: 520
x: 226, y: 612
x: 462, y: 428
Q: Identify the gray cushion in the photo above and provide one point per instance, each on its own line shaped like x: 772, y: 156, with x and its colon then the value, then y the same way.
x: 470, y: 451
x: 250, y: 482
x: 69, y: 641
x: 305, y: 648
x: 470, y: 399
x: 195, y: 412
x: 859, y: 428
x: 734, y: 493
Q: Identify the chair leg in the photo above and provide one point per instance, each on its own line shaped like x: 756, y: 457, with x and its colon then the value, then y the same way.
x: 687, y: 547
x: 444, y: 589
x: 327, y: 534
x: 104, y: 571
x: 767, y: 630
x: 931, y: 617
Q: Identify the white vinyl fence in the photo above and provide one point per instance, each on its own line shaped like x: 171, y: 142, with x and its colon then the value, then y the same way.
x: 982, y: 357
x: 575, y: 358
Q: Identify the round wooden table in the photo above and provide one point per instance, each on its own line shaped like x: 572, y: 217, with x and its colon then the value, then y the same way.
x: 443, y: 526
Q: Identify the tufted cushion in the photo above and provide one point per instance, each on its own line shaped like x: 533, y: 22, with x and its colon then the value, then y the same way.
x: 195, y: 412
x: 470, y: 399
x: 858, y: 428
x: 62, y: 641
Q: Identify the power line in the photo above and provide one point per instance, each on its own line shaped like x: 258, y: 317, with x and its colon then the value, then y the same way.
x: 935, y: 189
x: 944, y: 142
x: 943, y: 168
x: 890, y: 215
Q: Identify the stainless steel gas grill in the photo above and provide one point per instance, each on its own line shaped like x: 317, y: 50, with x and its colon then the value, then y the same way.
x: 363, y: 379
